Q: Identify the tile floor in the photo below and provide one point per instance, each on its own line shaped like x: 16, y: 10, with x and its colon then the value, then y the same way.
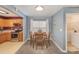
x: 10, y: 47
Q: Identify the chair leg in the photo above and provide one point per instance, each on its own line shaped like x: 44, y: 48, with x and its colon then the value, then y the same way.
x: 42, y: 46
x: 49, y: 42
x: 30, y: 42
x: 33, y: 44
x: 36, y: 46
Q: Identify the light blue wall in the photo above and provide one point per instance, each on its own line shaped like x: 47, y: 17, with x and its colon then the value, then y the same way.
x: 57, y: 24
x: 50, y: 25
x: 71, y: 10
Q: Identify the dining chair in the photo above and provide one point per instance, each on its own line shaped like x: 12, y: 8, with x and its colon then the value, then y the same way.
x: 32, y: 40
x: 39, y: 40
x: 46, y: 39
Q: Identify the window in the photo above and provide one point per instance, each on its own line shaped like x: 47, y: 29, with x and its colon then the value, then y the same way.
x: 36, y: 25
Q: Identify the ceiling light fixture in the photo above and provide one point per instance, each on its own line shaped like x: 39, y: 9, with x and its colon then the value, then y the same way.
x: 39, y: 8
x: 3, y: 12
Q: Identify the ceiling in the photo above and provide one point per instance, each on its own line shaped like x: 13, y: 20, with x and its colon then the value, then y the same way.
x: 49, y: 10
x: 29, y: 10
x: 10, y: 13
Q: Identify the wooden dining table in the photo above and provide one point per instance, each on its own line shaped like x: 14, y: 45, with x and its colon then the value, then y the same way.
x: 39, y: 39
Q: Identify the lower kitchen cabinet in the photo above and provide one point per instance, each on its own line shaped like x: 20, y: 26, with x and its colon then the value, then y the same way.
x: 5, y: 36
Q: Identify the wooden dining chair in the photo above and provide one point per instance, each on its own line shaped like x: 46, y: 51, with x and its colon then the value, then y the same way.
x: 32, y: 40
x: 39, y: 40
x: 46, y: 39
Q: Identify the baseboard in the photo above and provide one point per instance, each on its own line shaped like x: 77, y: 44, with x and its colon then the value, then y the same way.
x: 65, y: 51
x: 59, y: 47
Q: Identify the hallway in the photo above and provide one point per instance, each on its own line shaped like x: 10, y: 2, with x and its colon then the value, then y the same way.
x: 27, y: 49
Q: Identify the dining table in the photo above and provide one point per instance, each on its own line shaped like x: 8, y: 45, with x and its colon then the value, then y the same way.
x: 39, y: 39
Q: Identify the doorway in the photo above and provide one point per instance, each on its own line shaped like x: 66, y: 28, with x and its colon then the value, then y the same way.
x: 72, y: 20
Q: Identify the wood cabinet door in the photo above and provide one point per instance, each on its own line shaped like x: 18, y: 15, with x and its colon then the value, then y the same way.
x: 20, y: 36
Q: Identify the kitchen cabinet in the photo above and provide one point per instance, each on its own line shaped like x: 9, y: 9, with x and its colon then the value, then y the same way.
x: 20, y: 36
x: 5, y: 36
